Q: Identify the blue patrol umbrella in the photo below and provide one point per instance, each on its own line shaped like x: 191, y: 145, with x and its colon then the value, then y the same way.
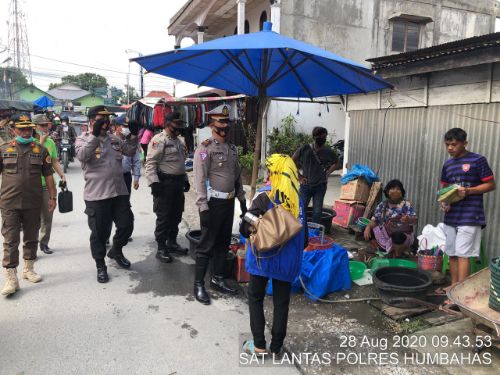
x: 44, y: 102
x: 264, y: 64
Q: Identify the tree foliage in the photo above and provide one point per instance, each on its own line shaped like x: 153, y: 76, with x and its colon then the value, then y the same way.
x: 87, y: 81
x: 131, y: 94
x: 13, y: 77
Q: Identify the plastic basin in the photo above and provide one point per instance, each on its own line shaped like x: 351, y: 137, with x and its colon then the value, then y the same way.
x: 377, y: 263
x: 356, y: 269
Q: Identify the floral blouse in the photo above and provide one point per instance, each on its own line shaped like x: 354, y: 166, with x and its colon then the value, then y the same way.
x: 403, y: 208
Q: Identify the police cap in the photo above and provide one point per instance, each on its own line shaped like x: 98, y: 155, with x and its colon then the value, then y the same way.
x: 99, y: 110
x: 40, y: 119
x: 22, y: 120
x: 220, y: 113
x: 175, y: 117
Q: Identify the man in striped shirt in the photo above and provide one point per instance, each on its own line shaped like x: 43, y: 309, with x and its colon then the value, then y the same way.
x: 464, y: 219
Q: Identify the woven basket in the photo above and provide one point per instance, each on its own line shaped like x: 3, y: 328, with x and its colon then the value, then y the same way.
x: 429, y: 262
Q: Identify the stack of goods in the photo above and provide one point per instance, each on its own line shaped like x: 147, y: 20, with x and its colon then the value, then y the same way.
x: 351, y: 205
x: 449, y: 194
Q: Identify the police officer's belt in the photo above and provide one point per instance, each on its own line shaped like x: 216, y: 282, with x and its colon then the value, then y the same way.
x: 220, y: 194
x: 165, y: 176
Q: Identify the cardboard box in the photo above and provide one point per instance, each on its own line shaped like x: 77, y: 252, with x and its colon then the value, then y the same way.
x: 347, y: 212
x: 356, y: 190
x: 240, y: 273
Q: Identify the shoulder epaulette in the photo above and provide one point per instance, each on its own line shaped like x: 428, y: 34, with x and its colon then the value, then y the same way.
x: 206, y: 142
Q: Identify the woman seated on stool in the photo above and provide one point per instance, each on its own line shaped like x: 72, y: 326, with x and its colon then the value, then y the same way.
x: 281, y: 265
x: 393, y: 221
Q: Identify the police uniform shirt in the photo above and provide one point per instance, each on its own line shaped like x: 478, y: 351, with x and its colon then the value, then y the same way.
x: 22, y: 167
x: 216, y: 163
x: 165, y: 154
x: 101, y: 160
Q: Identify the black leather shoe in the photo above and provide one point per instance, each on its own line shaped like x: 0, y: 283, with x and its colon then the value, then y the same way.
x: 174, y: 247
x: 164, y: 256
x: 119, y: 259
x: 45, y: 249
x: 102, y: 274
x: 218, y: 283
x: 200, y: 293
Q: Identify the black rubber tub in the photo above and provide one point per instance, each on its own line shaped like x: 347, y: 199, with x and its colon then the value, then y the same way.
x: 194, y: 239
x: 397, y: 283
x: 326, y: 217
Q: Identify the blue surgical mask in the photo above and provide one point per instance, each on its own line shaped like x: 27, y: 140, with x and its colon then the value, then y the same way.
x: 24, y: 141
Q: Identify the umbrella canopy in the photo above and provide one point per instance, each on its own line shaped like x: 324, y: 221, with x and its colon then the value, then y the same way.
x: 264, y: 64
x: 44, y: 102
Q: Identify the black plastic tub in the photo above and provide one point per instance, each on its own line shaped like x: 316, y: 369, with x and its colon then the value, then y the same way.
x: 193, y: 237
x: 327, y: 215
x: 396, y: 283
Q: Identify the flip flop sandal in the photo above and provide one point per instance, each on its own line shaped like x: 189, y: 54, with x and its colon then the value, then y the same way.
x: 249, y: 348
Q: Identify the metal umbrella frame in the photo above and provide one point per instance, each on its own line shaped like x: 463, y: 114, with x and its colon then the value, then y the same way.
x: 264, y: 64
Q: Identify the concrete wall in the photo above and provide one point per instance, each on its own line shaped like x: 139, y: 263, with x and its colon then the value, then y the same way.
x: 360, y: 29
x: 468, y: 85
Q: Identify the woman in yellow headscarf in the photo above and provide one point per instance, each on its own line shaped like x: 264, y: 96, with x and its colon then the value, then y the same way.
x: 281, y: 265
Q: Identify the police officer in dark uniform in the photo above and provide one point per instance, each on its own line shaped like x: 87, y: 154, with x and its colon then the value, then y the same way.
x: 166, y: 175
x: 105, y: 192
x: 22, y: 163
x: 217, y: 181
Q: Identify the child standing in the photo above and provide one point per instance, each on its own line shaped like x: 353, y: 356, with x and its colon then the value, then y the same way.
x: 464, y: 219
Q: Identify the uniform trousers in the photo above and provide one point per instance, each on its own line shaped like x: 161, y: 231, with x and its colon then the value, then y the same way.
x: 281, y: 301
x: 46, y: 217
x: 168, y: 208
x: 12, y: 221
x: 101, y: 215
x: 215, y: 239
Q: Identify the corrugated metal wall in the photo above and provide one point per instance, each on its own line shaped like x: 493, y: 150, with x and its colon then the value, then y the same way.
x: 411, y: 149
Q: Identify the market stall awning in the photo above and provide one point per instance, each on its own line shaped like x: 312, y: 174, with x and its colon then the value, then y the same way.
x: 20, y: 105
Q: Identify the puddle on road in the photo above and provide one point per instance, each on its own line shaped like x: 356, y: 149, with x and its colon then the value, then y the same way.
x: 167, y: 279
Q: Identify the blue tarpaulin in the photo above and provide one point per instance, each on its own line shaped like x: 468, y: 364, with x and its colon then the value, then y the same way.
x: 43, y: 102
x: 357, y: 171
x: 322, y: 272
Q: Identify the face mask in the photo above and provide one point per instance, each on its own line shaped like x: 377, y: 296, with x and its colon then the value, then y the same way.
x: 175, y: 131
x: 320, y: 141
x: 222, y: 131
x: 125, y: 131
x: 40, y: 132
x: 24, y: 141
x: 65, y: 127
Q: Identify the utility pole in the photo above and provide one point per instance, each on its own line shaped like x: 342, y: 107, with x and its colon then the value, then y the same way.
x: 141, y: 82
x: 18, y: 40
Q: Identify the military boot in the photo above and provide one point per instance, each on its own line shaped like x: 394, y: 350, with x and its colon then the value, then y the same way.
x: 200, y: 293
x: 174, y: 247
x: 163, y: 255
x: 29, y: 272
x: 11, y: 282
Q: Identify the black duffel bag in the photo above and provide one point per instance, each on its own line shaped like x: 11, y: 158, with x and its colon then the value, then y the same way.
x: 65, y: 200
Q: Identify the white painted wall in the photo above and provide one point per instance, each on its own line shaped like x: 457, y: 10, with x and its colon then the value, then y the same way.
x: 308, y: 118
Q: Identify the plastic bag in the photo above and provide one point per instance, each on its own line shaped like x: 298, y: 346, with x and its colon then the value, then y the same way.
x: 357, y: 171
x: 431, y: 237
x: 323, y: 272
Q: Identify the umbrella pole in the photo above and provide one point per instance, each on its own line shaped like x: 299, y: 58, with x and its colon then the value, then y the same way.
x: 258, y: 143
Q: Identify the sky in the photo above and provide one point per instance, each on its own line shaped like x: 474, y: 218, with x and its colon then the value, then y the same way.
x: 93, y: 33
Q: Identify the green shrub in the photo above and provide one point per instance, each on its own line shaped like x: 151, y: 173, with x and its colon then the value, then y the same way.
x: 245, y: 159
x: 285, y: 139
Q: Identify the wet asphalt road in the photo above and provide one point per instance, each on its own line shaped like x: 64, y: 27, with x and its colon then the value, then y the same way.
x: 144, y: 321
